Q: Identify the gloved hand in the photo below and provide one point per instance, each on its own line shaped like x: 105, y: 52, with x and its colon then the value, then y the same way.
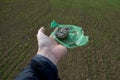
x: 49, y: 48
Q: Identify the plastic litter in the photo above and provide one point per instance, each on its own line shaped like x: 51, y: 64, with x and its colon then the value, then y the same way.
x: 75, y: 36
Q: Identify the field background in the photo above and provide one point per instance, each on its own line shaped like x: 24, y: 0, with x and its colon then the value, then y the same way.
x: 100, y: 19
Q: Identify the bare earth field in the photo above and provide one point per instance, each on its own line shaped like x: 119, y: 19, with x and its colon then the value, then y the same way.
x: 100, y: 19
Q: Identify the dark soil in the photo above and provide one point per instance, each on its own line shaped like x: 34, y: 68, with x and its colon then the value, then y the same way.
x: 21, y: 19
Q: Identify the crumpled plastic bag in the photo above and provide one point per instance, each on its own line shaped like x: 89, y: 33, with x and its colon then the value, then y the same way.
x: 75, y: 36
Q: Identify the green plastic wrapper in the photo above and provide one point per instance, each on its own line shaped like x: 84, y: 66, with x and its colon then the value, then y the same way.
x: 75, y: 36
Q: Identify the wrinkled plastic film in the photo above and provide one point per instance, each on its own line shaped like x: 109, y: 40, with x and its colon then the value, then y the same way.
x: 75, y: 36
